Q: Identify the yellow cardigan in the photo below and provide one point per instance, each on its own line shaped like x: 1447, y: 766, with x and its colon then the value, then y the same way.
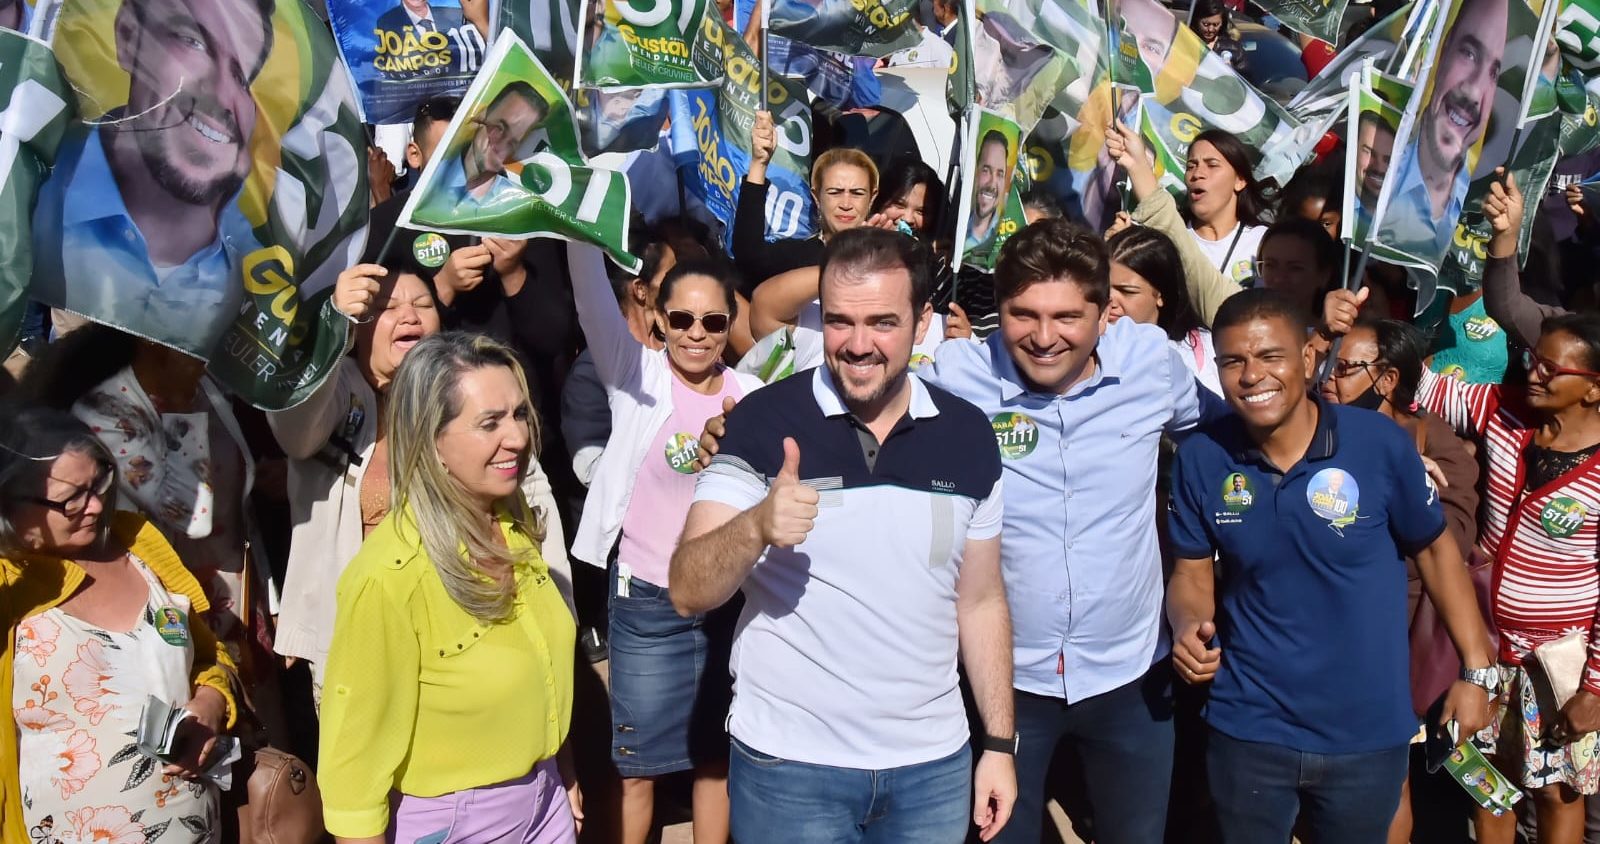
x: 31, y: 585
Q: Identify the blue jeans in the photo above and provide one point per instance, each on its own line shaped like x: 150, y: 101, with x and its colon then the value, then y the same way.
x: 1124, y: 739
x: 800, y: 803
x: 1341, y: 798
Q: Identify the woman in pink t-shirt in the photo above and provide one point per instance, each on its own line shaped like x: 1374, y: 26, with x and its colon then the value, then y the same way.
x: 670, y: 687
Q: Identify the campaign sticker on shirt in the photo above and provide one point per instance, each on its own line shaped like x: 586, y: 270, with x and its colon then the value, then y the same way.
x: 919, y: 360
x: 1335, y: 496
x: 1454, y: 370
x: 682, y: 451
x: 1243, y: 271
x: 172, y: 627
x: 1561, y: 516
x: 430, y: 249
x: 1016, y: 434
x: 1481, y: 328
x: 1237, y: 496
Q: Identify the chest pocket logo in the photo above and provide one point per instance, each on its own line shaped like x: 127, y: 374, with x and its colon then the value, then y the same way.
x: 1561, y: 517
x: 1016, y: 434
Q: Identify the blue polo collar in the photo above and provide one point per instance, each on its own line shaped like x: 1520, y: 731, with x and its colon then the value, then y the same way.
x: 1324, y: 442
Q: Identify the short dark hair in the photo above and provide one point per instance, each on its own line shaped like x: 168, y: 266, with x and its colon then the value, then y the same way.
x: 1402, y: 347
x: 994, y: 136
x: 901, y: 178
x: 523, y: 89
x: 1053, y: 249
x: 717, y: 270
x: 32, y: 437
x: 1583, y: 327
x: 865, y: 249
x: 1257, y: 303
x: 1313, y: 181
x: 1154, y: 257
x: 432, y: 110
x: 1324, y: 249
x: 1251, y: 203
x: 1041, y: 199
x: 1207, y: 8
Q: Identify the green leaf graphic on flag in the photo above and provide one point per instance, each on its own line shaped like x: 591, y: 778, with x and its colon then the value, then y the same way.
x: 648, y: 42
x: 35, y: 107
x: 510, y: 165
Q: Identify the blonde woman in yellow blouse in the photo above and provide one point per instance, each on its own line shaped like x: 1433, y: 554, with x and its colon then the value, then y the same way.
x: 449, y: 683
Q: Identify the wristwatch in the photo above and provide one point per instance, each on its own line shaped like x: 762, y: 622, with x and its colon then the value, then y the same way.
x: 1007, y: 746
x: 1487, y: 679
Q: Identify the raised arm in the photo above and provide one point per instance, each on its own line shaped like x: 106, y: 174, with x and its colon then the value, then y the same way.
x: 1503, y: 299
x: 616, y: 353
x: 302, y: 430
x: 1156, y: 209
x: 778, y: 301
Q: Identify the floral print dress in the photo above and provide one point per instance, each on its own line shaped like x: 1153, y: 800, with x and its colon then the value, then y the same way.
x: 78, y: 695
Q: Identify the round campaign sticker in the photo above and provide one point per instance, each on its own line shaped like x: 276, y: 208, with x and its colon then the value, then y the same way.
x: 1334, y: 496
x: 918, y: 361
x: 430, y: 249
x: 1015, y: 433
x: 1454, y: 370
x: 682, y: 450
x: 1481, y: 328
x: 1561, y: 517
x: 1237, y: 496
x: 172, y: 627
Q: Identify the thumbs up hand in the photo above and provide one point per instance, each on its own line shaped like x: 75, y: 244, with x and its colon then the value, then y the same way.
x: 790, y: 508
x: 1197, y: 662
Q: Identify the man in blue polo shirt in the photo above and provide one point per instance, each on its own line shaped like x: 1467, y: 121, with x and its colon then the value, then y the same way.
x: 859, y: 510
x: 1303, y: 635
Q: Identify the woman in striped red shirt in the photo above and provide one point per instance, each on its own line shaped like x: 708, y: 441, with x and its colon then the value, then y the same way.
x: 1539, y: 525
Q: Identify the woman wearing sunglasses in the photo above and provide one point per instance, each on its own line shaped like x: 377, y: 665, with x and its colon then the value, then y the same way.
x: 669, y: 675
x: 100, y: 616
x: 1539, y: 524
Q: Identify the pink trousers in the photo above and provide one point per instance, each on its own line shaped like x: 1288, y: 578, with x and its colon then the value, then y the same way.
x: 532, y: 809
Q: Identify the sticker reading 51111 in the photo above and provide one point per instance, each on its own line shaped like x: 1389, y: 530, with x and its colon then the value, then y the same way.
x: 1016, y: 434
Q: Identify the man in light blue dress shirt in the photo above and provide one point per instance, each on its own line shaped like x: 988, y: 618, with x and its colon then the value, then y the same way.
x: 139, y: 226
x: 1079, y: 407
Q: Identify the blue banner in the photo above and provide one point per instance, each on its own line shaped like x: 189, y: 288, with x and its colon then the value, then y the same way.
x: 401, y: 52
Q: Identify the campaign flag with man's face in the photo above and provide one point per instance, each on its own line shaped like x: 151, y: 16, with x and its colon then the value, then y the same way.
x: 711, y: 136
x: 1193, y: 89
x: 1377, y: 103
x: 36, y: 107
x: 988, y: 210
x: 644, y: 43
x: 853, y: 27
x: 206, y: 199
x: 1458, y: 105
x: 1325, y: 97
x: 511, y: 165
x: 401, y: 53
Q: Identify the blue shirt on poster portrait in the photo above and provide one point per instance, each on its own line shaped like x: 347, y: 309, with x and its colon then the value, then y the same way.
x: 450, y: 197
x: 1311, y: 580
x: 91, y: 258
x: 1408, y: 223
x: 1078, y: 548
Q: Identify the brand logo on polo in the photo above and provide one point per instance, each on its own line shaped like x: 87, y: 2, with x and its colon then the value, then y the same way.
x: 1481, y: 328
x: 944, y: 486
x: 1016, y: 434
x: 1561, y: 517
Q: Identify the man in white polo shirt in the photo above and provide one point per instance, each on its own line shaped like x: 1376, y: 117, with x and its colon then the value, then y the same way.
x: 859, y: 510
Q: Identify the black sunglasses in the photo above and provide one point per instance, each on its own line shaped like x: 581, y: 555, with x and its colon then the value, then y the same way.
x: 715, y: 323
x: 75, y: 504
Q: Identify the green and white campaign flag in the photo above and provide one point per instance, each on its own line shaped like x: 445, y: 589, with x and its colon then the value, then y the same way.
x: 1194, y: 89
x: 988, y: 210
x: 1578, y: 33
x: 1016, y: 73
x: 36, y: 106
x: 511, y: 165
x: 1377, y: 103
x: 635, y: 46
x: 1469, y: 92
x: 852, y: 27
x: 206, y: 199
x: 1077, y: 33
x: 1324, y: 98
x: 1316, y: 18
x: 550, y: 29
